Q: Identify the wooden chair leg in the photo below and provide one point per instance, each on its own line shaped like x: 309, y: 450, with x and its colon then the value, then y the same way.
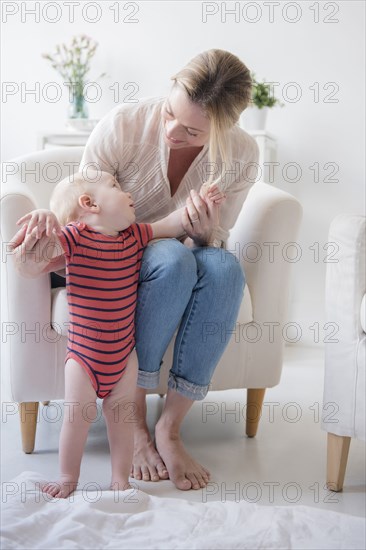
x: 337, y: 455
x: 28, y: 424
x: 254, y: 410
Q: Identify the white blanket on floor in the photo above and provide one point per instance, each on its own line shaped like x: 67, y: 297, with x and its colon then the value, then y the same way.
x: 133, y: 519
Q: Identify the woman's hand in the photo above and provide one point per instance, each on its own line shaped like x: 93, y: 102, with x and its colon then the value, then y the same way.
x: 30, y: 254
x: 42, y: 221
x: 200, y: 216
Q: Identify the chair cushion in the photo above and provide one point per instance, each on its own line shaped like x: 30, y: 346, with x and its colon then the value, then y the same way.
x: 363, y: 313
x: 60, y: 314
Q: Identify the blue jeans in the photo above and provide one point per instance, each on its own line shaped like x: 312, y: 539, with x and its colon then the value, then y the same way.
x: 200, y: 290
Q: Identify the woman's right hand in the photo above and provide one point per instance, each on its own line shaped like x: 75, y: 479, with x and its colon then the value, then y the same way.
x: 30, y: 256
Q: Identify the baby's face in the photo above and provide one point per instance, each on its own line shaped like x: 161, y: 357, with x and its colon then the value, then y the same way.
x: 117, y: 206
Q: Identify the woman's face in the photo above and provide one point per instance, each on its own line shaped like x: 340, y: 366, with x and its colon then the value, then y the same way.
x: 185, y: 125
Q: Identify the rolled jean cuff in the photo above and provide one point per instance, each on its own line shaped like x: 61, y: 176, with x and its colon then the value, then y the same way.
x: 187, y: 389
x: 148, y: 380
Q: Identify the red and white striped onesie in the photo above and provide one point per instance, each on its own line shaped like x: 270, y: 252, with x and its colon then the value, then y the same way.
x: 102, y: 274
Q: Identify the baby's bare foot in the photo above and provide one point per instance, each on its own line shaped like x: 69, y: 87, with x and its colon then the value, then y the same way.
x: 60, y: 489
x: 120, y: 484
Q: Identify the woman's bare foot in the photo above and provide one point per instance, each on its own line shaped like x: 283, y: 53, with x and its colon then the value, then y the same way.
x: 147, y: 463
x: 184, y: 472
x: 60, y: 489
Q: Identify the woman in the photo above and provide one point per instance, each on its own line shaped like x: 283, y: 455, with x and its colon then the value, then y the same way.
x: 159, y: 150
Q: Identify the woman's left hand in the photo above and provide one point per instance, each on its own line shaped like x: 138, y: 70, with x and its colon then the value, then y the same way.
x: 200, y: 218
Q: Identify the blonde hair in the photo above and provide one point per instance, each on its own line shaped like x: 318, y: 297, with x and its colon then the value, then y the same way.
x: 65, y: 197
x: 220, y: 83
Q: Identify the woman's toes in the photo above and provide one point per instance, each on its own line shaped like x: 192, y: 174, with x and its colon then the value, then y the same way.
x: 194, y: 481
x: 200, y: 479
x: 154, y: 476
x: 145, y: 473
x: 205, y: 477
x: 183, y: 483
x: 137, y: 473
x: 162, y: 471
x: 203, y: 483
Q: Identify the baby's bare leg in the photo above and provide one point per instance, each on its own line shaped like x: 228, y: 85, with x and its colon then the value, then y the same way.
x: 119, y: 413
x: 79, y: 411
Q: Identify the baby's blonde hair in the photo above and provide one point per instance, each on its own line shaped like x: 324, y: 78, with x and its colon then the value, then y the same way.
x: 220, y: 83
x: 65, y: 197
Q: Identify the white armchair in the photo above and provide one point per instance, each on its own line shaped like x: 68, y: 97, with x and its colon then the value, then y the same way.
x: 344, y: 412
x: 35, y: 318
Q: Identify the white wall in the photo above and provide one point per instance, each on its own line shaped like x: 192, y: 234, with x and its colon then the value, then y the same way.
x: 165, y: 36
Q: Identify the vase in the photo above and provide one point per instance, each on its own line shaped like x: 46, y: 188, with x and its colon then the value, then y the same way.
x: 77, y: 107
x: 254, y: 119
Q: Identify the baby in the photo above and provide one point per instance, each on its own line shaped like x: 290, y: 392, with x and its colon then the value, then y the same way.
x: 103, y: 248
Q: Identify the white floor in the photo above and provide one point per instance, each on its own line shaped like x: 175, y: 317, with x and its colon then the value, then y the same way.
x: 284, y: 464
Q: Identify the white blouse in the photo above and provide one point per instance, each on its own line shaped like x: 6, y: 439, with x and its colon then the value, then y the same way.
x: 129, y: 143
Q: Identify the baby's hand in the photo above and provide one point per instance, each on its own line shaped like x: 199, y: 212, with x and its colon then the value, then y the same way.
x: 212, y: 194
x: 41, y: 221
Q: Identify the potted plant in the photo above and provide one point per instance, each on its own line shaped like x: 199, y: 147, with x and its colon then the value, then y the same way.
x: 73, y: 64
x: 263, y: 99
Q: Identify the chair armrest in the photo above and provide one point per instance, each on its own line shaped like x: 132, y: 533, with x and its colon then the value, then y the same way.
x: 25, y: 306
x: 38, y: 172
x: 269, y: 220
x: 346, y: 276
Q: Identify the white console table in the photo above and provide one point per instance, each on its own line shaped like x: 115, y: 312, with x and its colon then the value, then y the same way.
x: 267, y: 144
x: 64, y: 138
